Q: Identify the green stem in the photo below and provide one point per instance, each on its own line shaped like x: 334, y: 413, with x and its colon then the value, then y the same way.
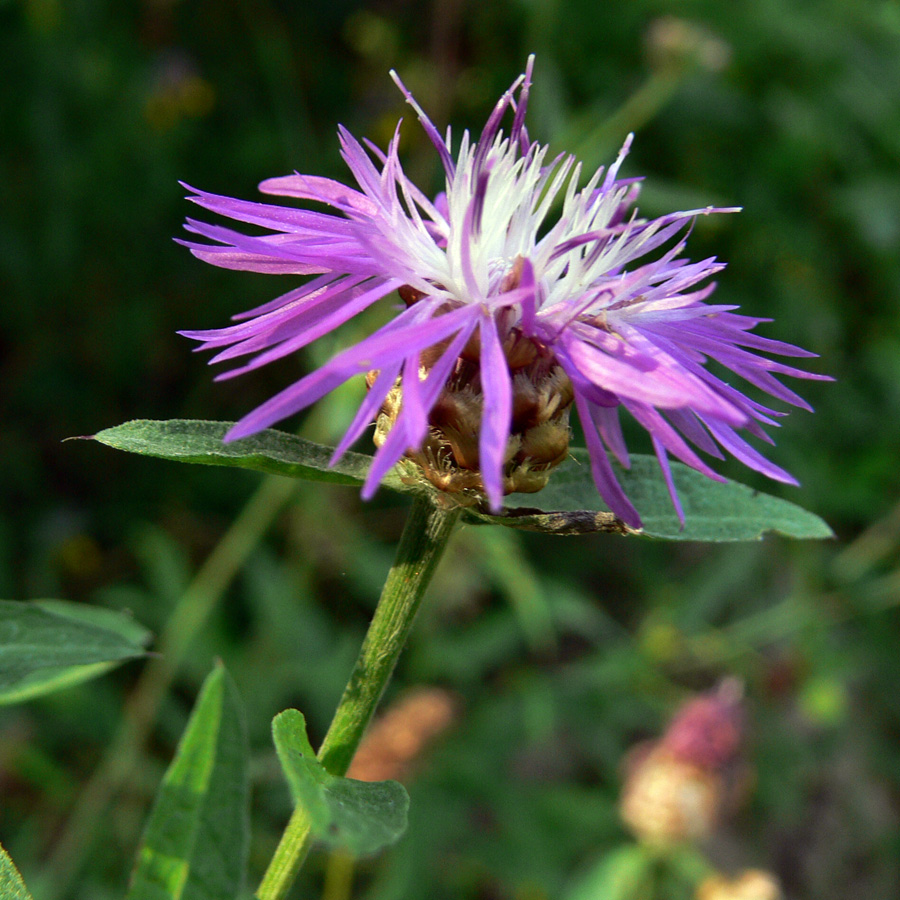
x: 338, y: 876
x: 593, y: 144
x: 422, y: 544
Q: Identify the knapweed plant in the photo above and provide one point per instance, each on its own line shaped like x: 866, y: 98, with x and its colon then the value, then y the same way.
x: 525, y: 291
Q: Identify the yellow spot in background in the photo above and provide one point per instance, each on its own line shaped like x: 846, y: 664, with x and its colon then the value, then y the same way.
x: 190, y: 97
x: 43, y: 16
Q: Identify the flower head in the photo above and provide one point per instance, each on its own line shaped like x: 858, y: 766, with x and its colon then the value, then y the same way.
x: 525, y: 291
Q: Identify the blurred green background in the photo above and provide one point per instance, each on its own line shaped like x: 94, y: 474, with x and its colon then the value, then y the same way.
x: 563, y: 652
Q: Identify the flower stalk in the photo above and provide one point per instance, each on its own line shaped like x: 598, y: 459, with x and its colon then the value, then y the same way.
x: 425, y: 536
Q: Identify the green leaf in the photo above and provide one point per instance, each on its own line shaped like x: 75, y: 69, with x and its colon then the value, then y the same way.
x: 52, y: 644
x: 359, y: 816
x: 714, y: 511
x: 624, y: 874
x: 123, y: 624
x: 197, y: 441
x: 570, y: 504
x: 197, y: 838
x: 11, y: 885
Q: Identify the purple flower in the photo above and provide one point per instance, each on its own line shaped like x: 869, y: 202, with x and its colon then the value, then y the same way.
x: 524, y: 292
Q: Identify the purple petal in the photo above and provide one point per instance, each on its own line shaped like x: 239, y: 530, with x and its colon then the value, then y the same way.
x: 489, y: 132
x: 497, y: 416
x: 401, y: 438
x: 277, y: 218
x: 741, y: 450
x: 606, y: 420
x: 659, y: 429
x: 686, y: 421
x: 294, y: 304
x: 428, y: 126
x: 311, y: 287
x: 386, y: 457
x: 315, y: 327
x: 360, y: 165
x: 625, y: 371
x: 415, y: 417
x: 317, y: 256
x: 667, y: 475
x: 694, y: 392
x: 609, y: 488
x: 262, y: 263
x: 287, y: 402
x: 530, y: 300
x: 440, y: 371
x: 518, y: 132
x: 391, y: 343
x: 323, y: 190
x: 368, y: 410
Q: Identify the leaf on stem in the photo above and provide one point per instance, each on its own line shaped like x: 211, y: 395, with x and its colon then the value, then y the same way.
x: 270, y: 451
x: 51, y: 644
x: 11, y: 885
x: 358, y: 816
x: 570, y: 504
x: 197, y: 838
x: 714, y: 511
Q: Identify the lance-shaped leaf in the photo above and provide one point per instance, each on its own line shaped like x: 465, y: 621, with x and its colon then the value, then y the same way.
x: 11, y: 885
x: 359, y: 816
x: 52, y: 644
x: 197, y: 441
x: 570, y: 504
x: 713, y: 510
x: 197, y: 838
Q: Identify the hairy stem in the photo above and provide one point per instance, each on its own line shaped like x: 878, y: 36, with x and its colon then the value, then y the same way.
x: 422, y: 544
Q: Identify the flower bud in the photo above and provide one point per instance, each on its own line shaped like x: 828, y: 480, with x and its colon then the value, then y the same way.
x: 539, y: 434
x: 677, y: 788
x: 400, y: 736
x: 707, y: 730
x: 752, y: 884
x: 668, y: 801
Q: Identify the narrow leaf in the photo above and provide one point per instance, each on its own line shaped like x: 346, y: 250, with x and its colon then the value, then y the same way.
x: 52, y: 644
x: 624, y: 874
x: 359, y: 816
x: 11, y: 885
x: 197, y: 441
x: 197, y: 838
x: 714, y: 511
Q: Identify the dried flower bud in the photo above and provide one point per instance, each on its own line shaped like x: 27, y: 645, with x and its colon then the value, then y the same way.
x: 677, y: 788
x: 668, y: 801
x: 707, y: 730
x: 752, y: 884
x: 399, y: 737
